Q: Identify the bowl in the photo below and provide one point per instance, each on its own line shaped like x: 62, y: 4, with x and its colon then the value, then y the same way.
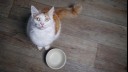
x: 55, y: 58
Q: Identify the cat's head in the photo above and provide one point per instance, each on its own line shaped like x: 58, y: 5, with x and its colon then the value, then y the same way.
x: 42, y: 20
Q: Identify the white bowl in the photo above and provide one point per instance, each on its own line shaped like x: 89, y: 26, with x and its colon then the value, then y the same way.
x: 55, y: 58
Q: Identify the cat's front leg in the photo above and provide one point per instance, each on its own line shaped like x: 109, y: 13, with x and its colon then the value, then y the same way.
x: 47, y: 47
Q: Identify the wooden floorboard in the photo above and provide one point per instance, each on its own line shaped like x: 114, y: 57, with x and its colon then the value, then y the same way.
x: 95, y: 41
x: 95, y: 30
x: 108, y: 10
x: 109, y: 58
x: 5, y: 7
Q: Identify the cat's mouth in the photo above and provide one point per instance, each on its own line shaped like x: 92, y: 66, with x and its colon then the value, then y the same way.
x: 42, y: 27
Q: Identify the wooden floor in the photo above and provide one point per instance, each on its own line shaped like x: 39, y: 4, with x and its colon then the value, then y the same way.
x: 96, y: 41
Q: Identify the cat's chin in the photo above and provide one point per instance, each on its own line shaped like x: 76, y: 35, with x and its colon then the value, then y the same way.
x: 41, y: 28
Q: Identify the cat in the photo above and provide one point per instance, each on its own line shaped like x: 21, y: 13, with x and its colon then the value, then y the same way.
x: 45, y: 27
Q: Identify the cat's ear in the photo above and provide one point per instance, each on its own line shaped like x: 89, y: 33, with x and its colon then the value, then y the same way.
x: 34, y: 11
x: 51, y: 11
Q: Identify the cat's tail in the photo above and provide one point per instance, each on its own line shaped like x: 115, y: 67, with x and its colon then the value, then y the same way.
x: 69, y: 12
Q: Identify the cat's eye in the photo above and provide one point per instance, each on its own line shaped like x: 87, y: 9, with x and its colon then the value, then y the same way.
x: 38, y: 19
x: 47, y: 19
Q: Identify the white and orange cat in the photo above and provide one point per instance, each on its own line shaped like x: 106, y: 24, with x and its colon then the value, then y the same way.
x: 44, y: 27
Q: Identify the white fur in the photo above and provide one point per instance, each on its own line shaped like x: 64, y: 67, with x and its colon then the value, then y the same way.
x: 42, y: 37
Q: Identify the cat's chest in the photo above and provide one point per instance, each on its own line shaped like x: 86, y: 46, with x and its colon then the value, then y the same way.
x: 48, y: 33
x: 42, y: 37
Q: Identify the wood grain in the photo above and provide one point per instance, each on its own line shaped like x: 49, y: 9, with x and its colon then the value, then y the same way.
x: 5, y: 7
x: 109, y: 58
x: 113, y: 11
x: 95, y: 41
x: 95, y: 30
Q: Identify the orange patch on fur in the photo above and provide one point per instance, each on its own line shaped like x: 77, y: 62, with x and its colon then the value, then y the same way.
x: 57, y: 23
x: 56, y: 19
x: 61, y: 13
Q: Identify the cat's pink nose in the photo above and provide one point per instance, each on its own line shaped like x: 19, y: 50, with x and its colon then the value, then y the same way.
x: 42, y: 24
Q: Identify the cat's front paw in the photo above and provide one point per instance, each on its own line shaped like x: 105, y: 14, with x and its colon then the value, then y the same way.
x: 47, y: 47
x: 39, y: 48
